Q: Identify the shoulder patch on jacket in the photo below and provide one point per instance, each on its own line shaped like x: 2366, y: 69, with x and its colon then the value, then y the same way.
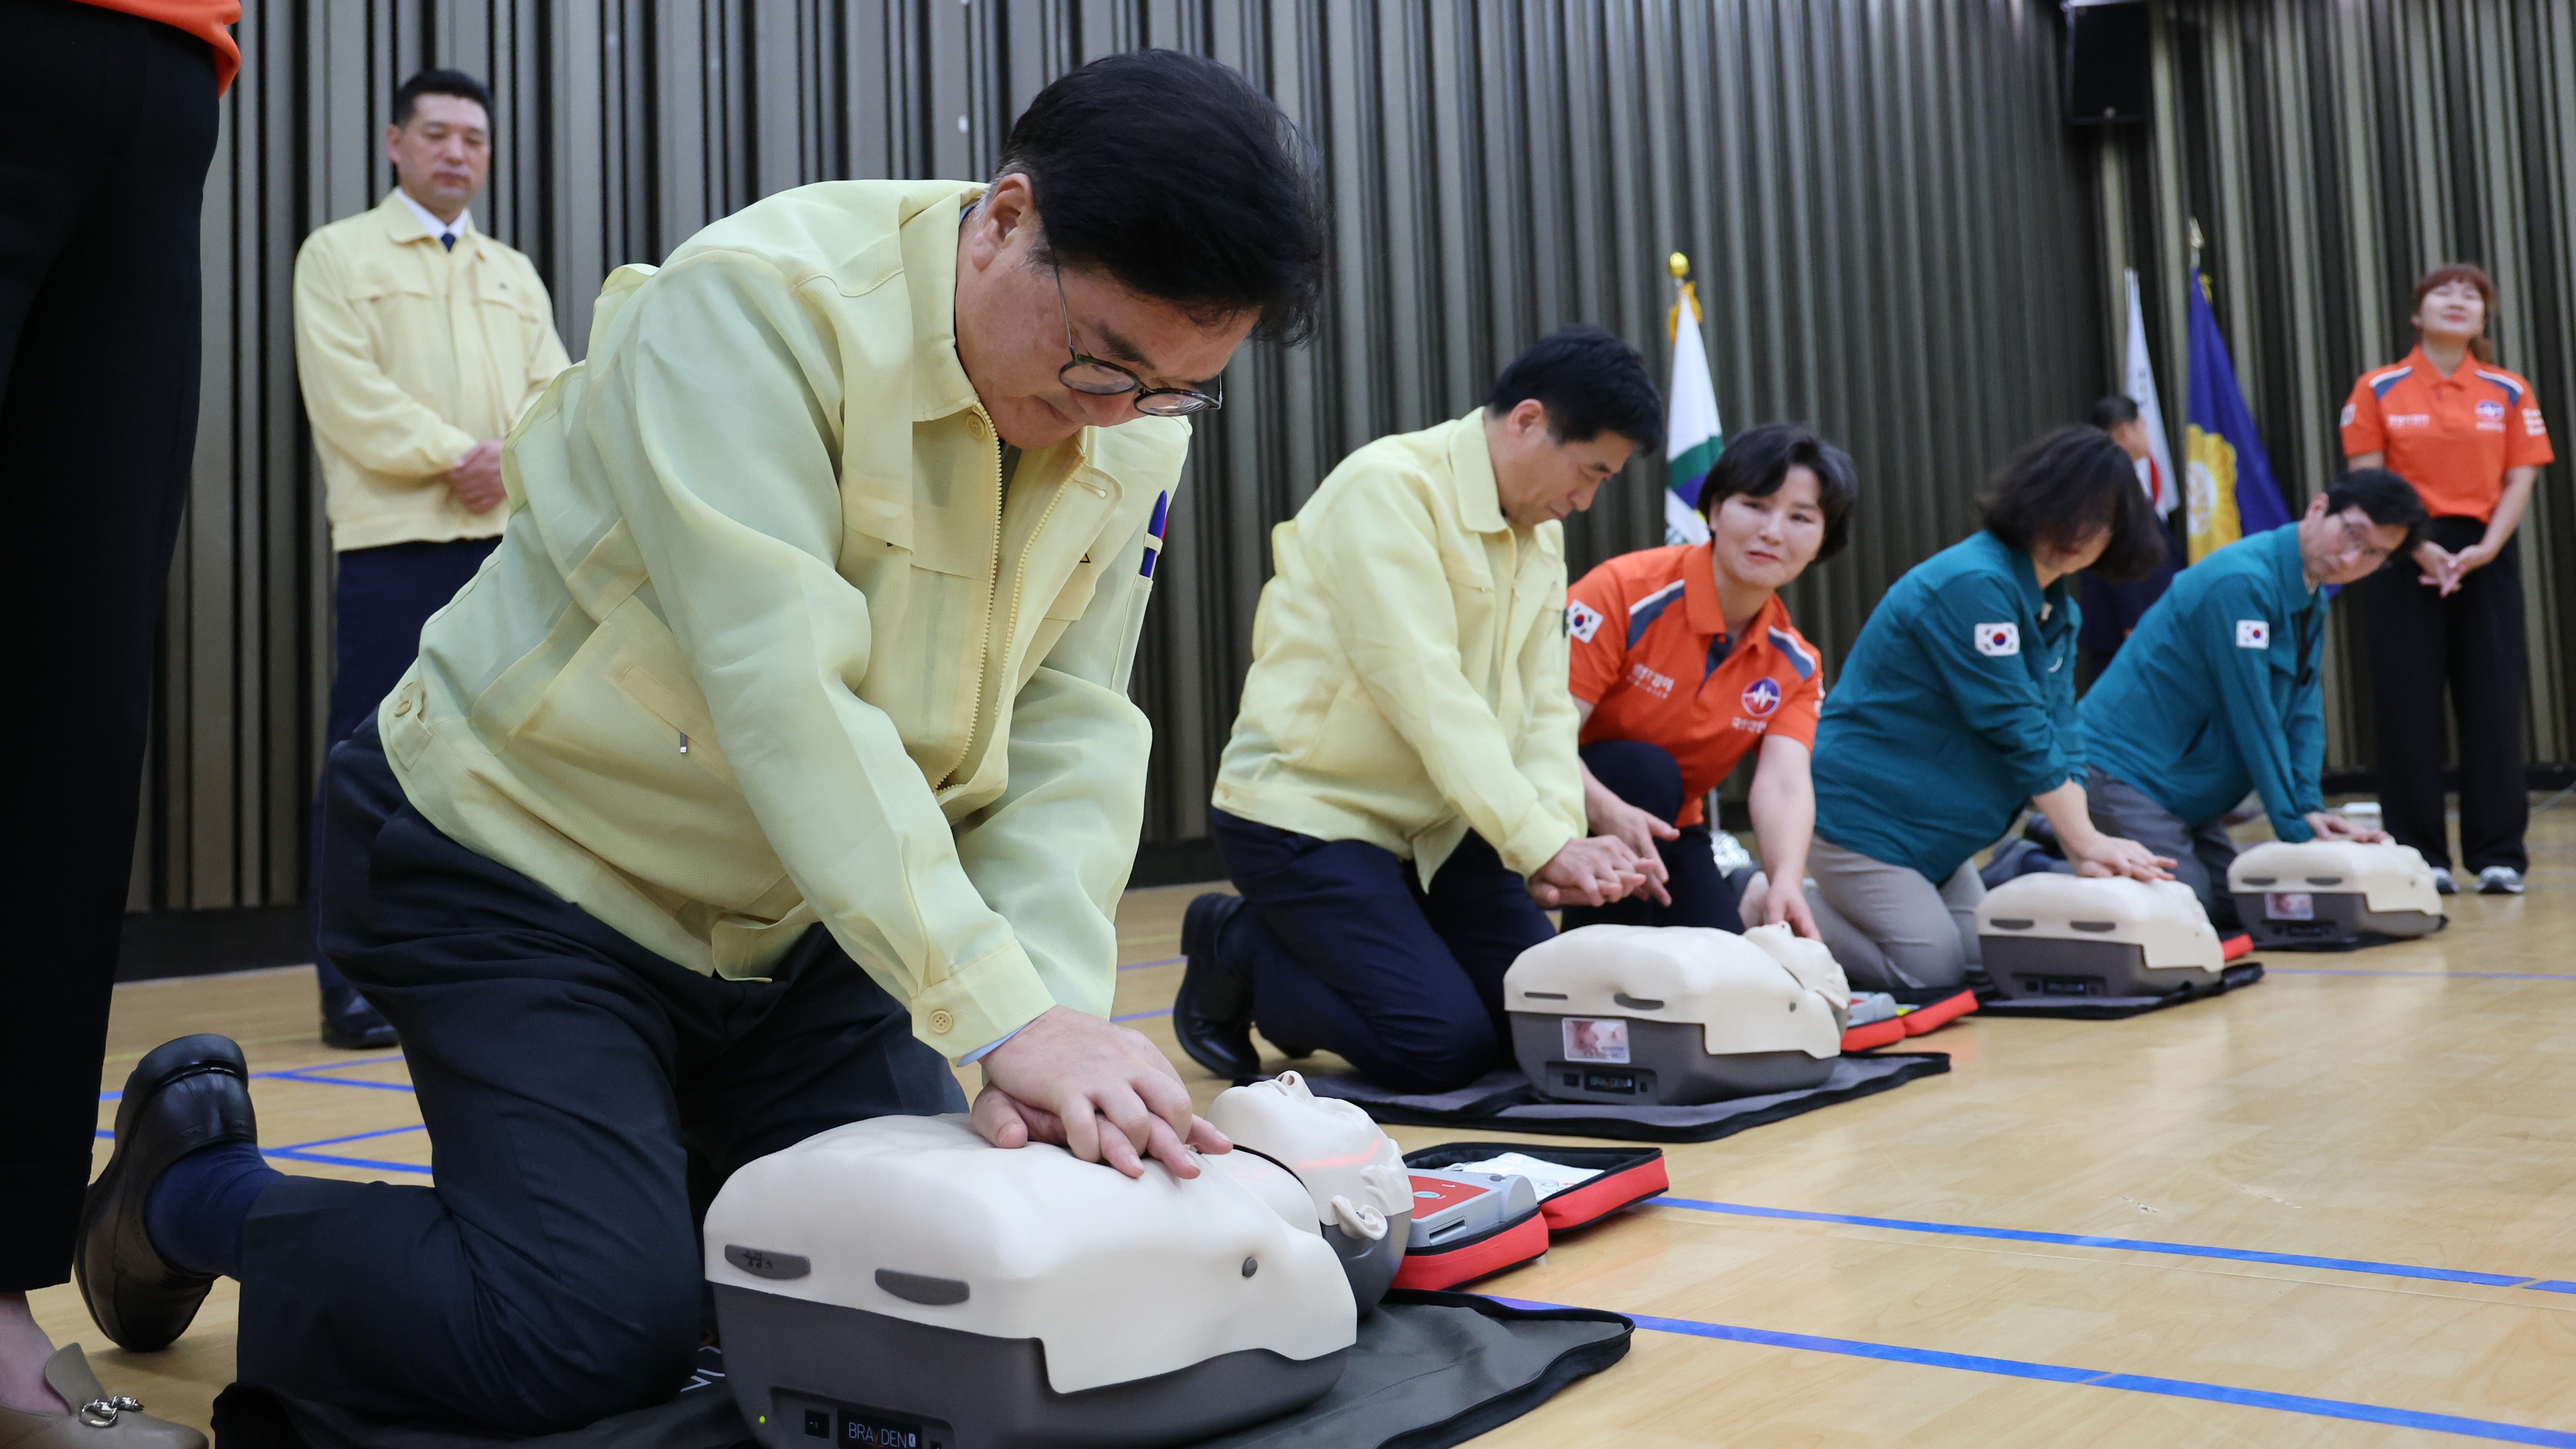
x: 2253, y: 633
x: 1582, y: 620
x: 1998, y: 639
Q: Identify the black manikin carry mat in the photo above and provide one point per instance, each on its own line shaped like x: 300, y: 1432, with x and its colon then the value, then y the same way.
x: 1505, y: 1099
x: 1430, y: 1370
x: 2113, y: 1008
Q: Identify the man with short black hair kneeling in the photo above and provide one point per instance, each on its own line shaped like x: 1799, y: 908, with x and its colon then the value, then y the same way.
x: 780, y: 758
x: 2219, y: 689
x: 1401, y: 794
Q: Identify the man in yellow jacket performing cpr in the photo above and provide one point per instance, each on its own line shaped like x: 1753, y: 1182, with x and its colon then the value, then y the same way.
x: 781, y: 758
x: 1401, y: 795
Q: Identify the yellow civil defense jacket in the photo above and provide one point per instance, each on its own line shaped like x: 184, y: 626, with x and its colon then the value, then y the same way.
x: 765, y: 644
x: 1408, y: 681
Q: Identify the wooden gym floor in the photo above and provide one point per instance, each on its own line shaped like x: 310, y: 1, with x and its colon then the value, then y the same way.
x: 2336, y: 1209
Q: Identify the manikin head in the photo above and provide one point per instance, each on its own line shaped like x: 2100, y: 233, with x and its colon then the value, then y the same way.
x: 2118, y: 416
x: 1563, y: 418
x: 2071, y: 500
x: 1778, y: 499
x: 1152, y: 211
x: 441, y: 140
x: 2357, y: 524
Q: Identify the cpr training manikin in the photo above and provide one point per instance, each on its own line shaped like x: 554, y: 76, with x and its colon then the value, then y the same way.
x: 2333, y: 892
x: 2076, y: 936
x: 901, y: 1282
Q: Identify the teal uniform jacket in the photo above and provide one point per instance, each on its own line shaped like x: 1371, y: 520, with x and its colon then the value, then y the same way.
x: 2217, y: 691
x: 1956, y: 706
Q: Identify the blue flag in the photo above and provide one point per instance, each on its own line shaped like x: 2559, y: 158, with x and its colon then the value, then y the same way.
x: 2228, y: 478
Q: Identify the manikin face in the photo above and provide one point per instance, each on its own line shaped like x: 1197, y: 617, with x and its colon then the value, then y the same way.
x: 1765, y: 543
x: 2452, y: 312
x: 2346, y: 547
x: 1011, y: 329
x: 442, y: 154
x: 1539, y: 479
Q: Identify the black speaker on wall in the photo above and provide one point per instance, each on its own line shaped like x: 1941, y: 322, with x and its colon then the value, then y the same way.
x: 2109, y: 72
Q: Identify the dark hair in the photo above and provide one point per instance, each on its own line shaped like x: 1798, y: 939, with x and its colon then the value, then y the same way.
x: 1757, y: 461
x: 2475, y: 276
x: 1172, y: 174
x: 435, y: 82
x: 1590, y: 383
x: 2384, y: 498
x: 2114, y: 411
x: 2067, y: 484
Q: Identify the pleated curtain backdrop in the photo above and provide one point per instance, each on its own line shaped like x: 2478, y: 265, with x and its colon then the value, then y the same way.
x: 1896, y: 238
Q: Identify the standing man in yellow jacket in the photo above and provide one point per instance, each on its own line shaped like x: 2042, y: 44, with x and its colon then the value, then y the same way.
x: 1402, y: 795
x: 779, y: 759
x: 419, y: 341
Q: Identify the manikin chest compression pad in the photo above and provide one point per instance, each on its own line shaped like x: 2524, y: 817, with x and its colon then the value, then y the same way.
x: 1430, y: 1370
x: 1504, y: 1101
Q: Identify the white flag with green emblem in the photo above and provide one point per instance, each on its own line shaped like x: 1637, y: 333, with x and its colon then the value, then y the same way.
x: 1693, y: 436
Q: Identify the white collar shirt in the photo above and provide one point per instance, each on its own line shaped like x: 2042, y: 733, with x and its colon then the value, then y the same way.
x: 445, y: 233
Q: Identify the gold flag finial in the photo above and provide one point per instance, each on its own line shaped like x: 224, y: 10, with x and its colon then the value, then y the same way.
x: 1680, y: 266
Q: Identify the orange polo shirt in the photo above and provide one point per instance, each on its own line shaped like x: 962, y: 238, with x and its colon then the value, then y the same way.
x: 1652, y: 657
x: 2452, y: 437
x: 204, y: 19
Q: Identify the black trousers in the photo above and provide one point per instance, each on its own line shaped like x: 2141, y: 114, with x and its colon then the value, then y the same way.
x: 2469, y: 644
x: 1349, y: 953
x: 584, y: 1099
x: 1648, y: 777
x: 381, y: 600
x: 106, y: 126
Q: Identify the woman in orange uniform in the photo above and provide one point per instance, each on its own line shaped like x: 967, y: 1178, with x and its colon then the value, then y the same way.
x: 2468, y: 435
x: 1684, y: 661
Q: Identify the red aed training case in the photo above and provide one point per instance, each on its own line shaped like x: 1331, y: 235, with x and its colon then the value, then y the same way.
x: 1619, y: 1176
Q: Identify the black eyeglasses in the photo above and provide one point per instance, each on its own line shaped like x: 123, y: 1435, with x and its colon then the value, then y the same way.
x: 1094, y: 378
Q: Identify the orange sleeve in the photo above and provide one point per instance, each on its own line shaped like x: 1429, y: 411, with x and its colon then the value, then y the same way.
x: 1596, y: 633
x: 2362, y: 430
x: 2526, y: 437
x: 1797, y: 720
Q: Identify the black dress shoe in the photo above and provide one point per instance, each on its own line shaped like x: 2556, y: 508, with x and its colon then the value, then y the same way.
x: 1212, y: 1016
x: 352, y: 1023
x: 183, y: 1095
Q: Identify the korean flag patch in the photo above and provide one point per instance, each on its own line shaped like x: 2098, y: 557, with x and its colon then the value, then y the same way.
x: 2253, y: 633
x: 2347, y: 415
x: 1998, y: 640
x: 1582, y: 620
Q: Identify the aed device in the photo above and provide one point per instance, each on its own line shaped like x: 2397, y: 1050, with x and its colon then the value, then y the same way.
x: 2078, y: 936
x: 901, y: 1283
x: 2333, y: 892
x: 1675, y: 1015
x: 1469, y: 1225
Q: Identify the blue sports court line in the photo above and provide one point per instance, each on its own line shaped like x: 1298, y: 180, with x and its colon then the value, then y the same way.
x: 1141, y: 1015
x: 1142, y: 965
x: 2133, y: 1245
x: 310, y: 1074
x: 300, y: 1152
x: 2100, y: 1379
x: 2470, y: 975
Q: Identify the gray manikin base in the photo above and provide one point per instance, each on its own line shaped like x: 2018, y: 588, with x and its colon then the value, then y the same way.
x: 2343, y: 918
x: 789, y: 1358
x: 1370, y: 1265
x: 1668, y: 1065
x: 2041, y: 966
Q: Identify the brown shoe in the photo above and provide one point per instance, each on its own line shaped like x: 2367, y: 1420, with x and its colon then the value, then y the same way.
x: 96, y: 1421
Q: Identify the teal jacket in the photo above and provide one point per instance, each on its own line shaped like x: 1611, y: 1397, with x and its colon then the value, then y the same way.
x: 1956, y: 706
x: 2217, y: 690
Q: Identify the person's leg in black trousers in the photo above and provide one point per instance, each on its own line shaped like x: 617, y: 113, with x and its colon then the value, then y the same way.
x: 2409, y: 643
x: 1482, y: 911
x: 2488, y: 672
x: 568, y: 1078
x: 1648, y: 777
x: 106, y: 128
x: 1344, y: 957
x: 382, y: 598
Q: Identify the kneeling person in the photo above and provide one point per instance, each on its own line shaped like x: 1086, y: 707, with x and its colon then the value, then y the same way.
x: 780, y: 759
x: 1685, y: 661
x: 2219, y: 692
x: 1401, y: 796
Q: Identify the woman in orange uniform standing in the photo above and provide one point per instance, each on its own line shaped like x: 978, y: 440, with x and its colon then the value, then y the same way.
x: 2468, y: 435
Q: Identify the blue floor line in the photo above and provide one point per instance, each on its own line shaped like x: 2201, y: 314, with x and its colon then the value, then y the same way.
x: 1142, y: 965
x: 352, y: 1137
x: 1141, y: 1015
x: 2554, y: 1285
x: 334, y: 1161
x: 293, y: 1076
x: 2133, y: 1245
x: 308, y: 1074
x: 2099, y: 1379
x: 2469, y: 975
